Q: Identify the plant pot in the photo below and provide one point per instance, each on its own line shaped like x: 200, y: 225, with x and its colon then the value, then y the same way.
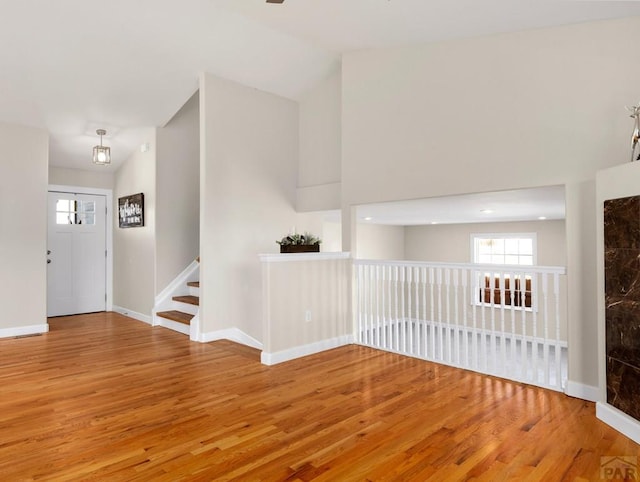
x: 300, y: 248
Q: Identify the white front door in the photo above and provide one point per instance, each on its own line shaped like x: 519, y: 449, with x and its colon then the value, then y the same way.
x: 76, y: 269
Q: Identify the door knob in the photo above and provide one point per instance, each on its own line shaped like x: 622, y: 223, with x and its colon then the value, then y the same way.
x: 48, y: 261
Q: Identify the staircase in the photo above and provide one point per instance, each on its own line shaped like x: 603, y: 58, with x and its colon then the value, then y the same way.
x: 177, y: 307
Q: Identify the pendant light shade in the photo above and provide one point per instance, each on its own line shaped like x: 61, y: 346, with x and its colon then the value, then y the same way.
x: 101, y: 154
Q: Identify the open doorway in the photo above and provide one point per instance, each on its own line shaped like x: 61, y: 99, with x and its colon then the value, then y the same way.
x: 476, y: 281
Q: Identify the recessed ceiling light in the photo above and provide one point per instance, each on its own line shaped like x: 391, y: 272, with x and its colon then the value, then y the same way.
x: 368, y: 218
x: 486, y: 211
x: 434, y: 222
x: 542, y: 218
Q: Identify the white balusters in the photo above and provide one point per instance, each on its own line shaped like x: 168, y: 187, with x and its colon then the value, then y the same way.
x: 431, y: 312
x: 396, y: 282
x: 448, y: 353
x: 492, y: 347
x: 514, y: 342
x: 416, y: 300
x: 465, y: 304
x: 483, y: 331
x: 473, y: 316
x: 557, y: 351
x: 545, y: 294
x: 456, y: 331
x: 534, y: 326
x: 523, y: 345
x: 440, y: 322
x: 503, y: 331
x: 384, y: 301
x: 474, y: 305
x: 409, y: 321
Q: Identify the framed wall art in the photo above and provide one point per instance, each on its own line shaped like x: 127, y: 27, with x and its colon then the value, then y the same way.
x: 131, y: 211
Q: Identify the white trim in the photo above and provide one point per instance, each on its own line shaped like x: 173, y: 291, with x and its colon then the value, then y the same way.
x: 133, y: 314
x: 279, y: 257
x: 194, y: 326
x: 507, y: 268
x: 620, y: 421
x: 232, y: 334
x: 108, y: 193
x: 585, y: 392
x: 305, y: 350
x: 179, y: 282
x: 23, y: 330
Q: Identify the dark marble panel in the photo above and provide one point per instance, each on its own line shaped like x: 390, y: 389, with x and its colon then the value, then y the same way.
x: 621, y: 223
x: 622, y: 275
x: 623, y: 387
x: 622, y: 298
x: 623, y: 332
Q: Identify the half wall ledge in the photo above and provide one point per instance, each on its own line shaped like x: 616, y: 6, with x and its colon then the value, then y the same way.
x: 306, y: 304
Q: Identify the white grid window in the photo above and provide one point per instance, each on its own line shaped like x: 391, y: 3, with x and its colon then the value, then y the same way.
x: 513, y: 249
x: 504, y: 249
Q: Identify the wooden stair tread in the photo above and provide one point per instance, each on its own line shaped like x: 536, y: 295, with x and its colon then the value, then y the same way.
x: 194, y: 284
x: 192, y: 300
x: 178, y: 316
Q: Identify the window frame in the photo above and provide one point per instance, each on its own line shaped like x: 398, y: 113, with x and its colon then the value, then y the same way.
x: 76, y: 213
x: 532, y: 236
x: 481, y: 289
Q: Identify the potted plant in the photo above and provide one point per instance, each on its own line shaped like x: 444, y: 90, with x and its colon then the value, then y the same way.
x: 300, y: 243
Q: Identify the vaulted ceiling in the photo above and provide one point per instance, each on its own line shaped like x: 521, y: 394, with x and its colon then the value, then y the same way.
x: 72, y: 66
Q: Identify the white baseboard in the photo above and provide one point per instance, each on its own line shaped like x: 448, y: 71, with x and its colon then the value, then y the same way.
x: 620, y: 421
x: 304, y: 350
x: 585, y: 392
x: 132, y: 314
x: 23, y: 330
x: 232, y: 334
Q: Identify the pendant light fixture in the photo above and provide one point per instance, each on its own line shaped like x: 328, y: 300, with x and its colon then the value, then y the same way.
x: 101, y: 154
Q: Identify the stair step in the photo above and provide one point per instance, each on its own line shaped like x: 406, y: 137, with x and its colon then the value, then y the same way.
x: 194, y: 284
x: 192, y: 300
x: 178, y: 316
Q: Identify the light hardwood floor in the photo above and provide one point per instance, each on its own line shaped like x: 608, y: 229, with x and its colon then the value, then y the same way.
x: 104, y: 397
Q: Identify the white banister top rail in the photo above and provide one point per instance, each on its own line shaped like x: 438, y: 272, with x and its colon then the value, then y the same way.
x: 281, y: 257
x: 479, y: 267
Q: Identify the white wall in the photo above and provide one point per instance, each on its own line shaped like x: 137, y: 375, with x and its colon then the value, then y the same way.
x: 248, y: 172
x: 378, y: 241
x: 178, y: 187
x: 134, y: 248
x: 322, y: 224
x: 320, y: 133
x: 533, y: 108
x: 331, y: 236
x: 80, y: 178
x: 320, y: 146
x: 23, y: 239
x: 451, y: 243
x: 525, y: 109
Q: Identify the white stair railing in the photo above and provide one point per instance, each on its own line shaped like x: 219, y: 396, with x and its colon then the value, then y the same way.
x: 508, y: 321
